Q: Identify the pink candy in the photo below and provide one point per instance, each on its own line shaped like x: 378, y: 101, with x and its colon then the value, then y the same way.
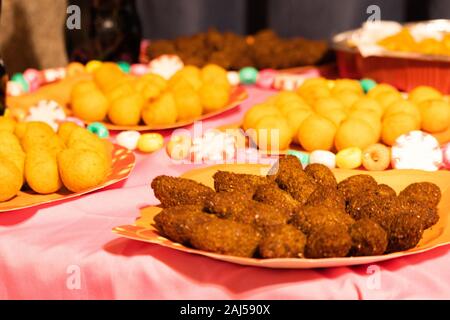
x: 266, y: 78
x: 139, y: 69
x: 34, y: 78
x: 446, y: 156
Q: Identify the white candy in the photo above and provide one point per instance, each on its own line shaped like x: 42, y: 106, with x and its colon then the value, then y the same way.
x: 324, y: 157
x: 416, y: 150
x: 233, y: 78
x: 47, y: 111
x: 166, y: 65
x: 128, y: 139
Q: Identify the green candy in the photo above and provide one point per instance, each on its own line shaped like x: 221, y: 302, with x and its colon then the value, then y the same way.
x: 20, y: 79
x: 124, y: 66
x: 98, y: 129
x: 367, y: 84
x: 302, y: 156
x: 248, y: 75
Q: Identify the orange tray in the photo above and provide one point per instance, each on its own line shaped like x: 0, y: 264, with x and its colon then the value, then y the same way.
x: 123, y: 162
x: 438, y: 235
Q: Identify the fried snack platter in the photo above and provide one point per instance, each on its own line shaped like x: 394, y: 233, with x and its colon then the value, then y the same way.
x: 237, y: 96
x: 123, y: 162
x: 439, y: 235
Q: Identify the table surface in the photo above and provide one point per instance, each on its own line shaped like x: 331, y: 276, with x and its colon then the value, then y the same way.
x: 67, y: 251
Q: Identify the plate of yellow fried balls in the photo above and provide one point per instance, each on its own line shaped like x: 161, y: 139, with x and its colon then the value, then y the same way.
x: 337, y: 114
x: 125, y: 102
x: 39, y: 165
x: 290, y: 216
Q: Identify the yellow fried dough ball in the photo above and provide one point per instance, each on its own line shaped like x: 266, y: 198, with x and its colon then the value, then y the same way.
x: 385, y: 99
x: 188, y: 104
x: 65, y: 129
x: 7, y: 124
x: 90, y: 106
x: 435, y: 115
x: 20, y: 129
x: 396, y: 125
x: 11, y: 149
x: 81, y: 88
x: 295, y: 119
x: 162, y: 111
x: 337, y: 116
x: 403, y: 106
x: 41, y: 171
x: 316, y: 133
x: 354, y: 133
x: 324, y: 105
x: 212, y: 73
x: 310, y: 82
x: 108, y: 76
x: 284, y: 97
x: 381, y: 88
x: 371, y: 118
x: 191, y: 74
x: 257, y: 112
x: 272, y: 134
x: 81, y: 138
x: 40, y: 133
x: 423, y: 93
x: 147, y: 89
x: 81, y: 169
x: 289, y: 106
x: 314, y: 92
x: 11, y: 179
x: 347, y: 84
x: 213, y: 96
x: 126, y: 110
x: 155, y: 79
x: 347, y: 98
x: 366, y: 103
x: 123, y: 89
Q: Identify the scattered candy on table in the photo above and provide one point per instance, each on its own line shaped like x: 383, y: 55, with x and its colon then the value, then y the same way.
x: 128, y: 139
x: 327, y: 158
x: 302, y: 156
x: 47, y: 111
x: 233, y: 78
x: 34, y: 78
x: 55, y: 74
x: 124, y: 66
x: 98, y: 129
x: 446, y: 155
x: 179, y: 147
x: 416, y: 150
x: 14, y: 89
x: 20, y: 79
x: 266, y: 78
x: 349, y: 158
x: 150, y: 142
x: 248, y: 75
x: 367, y: 84
x: 376, y: 157
x: 139, y: 69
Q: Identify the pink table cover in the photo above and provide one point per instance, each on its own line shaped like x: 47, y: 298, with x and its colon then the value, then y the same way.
x: 67, y: 251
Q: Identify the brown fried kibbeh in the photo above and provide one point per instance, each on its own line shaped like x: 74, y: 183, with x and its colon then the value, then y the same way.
x: 282, y: 241
x: 272, y: 195
x: 405, y: 232
x: 226, y: 237
x: 177, y: 223
x: 227, y: 204
x: 173, y: 191
x: 326, y: 196
x: 225, y: 181
x: 285, y: 163
x: 328, y: 242
x: 368, y: 238
x: 356, y: 185
x: 310, y: 219
x: 261, y: 215
x: 321, y: 175
x: 426, y: 193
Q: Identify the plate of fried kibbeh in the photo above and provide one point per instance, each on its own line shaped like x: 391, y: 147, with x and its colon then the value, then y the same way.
x: 287, y: 216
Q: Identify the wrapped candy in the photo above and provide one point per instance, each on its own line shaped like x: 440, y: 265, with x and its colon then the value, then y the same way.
x: 98, y: 129
x: 150, y: 142
x: 139, y: 69
x: 128, y: 139
x: 14, y: 89
x: 349, y: 158
x: 327, y: 158
x: 233, y: 78
x: 34, y: 78
x: 416, y: 150
x: 51, y: 75
x: 446, y: 155
x: 166, y: 65
x: 266, y: 78
x: 47, y: 111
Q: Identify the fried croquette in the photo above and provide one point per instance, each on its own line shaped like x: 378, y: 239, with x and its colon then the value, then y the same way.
x: 296, y: 183
x: 356, y: 204
x: 244, y: 183
x: 285, y: 163
x: 261, y: 215
x: 311, y: 218
x: 282, y: 241
x: 328, y: 241
x: 382, y: 212
x: 426, y: 193
x: 326, y: 196
x: 368, y: 238
x: 226, y: 237
x: 356, y: 185
x: 227, y: 204
x: 177, y: 223
x: 321, y: 175
x: 383, y: 190
x: 405, y: 232
x: 428, y: 215
x: 173, y: 191
x: 272, y: 195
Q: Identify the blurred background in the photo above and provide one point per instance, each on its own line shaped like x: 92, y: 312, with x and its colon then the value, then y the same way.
x: 34, y: 33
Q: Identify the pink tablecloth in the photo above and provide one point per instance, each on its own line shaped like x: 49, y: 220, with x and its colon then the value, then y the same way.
x: 67, y: 251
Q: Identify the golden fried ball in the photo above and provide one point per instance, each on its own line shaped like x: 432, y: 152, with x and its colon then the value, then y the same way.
x: 11, y: 179
x: 41, y: 171
x: 162, y: 111
x: 126, y: 110
x: 213, y: 97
